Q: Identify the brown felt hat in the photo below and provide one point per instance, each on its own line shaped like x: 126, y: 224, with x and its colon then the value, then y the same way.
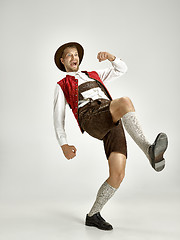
x: 60, y: 50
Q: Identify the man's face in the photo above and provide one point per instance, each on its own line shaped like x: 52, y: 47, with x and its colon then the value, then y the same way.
x: 70, y: 59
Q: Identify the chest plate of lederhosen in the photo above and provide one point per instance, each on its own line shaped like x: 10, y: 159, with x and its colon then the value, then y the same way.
x: 91, y: 89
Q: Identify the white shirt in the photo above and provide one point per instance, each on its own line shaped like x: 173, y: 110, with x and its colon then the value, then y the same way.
x: 117, y: 69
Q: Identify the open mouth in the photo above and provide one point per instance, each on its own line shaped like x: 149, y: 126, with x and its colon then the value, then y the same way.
x: 74, y: 64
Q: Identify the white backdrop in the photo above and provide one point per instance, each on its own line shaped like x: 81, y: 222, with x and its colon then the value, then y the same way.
x: 145, y: 34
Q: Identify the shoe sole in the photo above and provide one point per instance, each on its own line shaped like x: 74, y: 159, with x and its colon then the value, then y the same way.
x: 94, y: 225
x: 160, y: 147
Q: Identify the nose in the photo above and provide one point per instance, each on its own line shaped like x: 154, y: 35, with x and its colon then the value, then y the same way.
x: 72, y: 57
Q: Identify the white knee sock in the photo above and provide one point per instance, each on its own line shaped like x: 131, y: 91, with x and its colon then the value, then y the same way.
x: 104, y: 194
x: 134, y: 129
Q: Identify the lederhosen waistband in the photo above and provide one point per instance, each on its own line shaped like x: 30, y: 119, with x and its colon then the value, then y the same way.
x: 85, y: 87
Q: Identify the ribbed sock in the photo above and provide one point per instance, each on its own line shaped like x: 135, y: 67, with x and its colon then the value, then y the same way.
x: 134, y: 129
x: 104, y: 194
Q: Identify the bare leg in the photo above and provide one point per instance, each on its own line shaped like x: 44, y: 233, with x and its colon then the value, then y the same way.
x: 117, y: 164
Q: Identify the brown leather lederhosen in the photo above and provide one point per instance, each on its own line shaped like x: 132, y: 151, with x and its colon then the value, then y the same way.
x: 95, y: 118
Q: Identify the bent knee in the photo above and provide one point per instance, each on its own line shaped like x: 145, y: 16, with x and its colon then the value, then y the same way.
x: 125, y: 101
x: 126, y: 105
x: 118, y: 178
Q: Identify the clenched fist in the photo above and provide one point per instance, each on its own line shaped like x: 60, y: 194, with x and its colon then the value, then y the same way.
x: 69, y: 151
x: 105, y: 55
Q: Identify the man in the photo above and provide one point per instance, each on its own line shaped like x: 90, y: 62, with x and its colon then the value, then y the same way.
x: 102, y: 118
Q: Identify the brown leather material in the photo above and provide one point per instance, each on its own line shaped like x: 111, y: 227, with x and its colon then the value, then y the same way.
x: 95, y: 118
x: 87, y: 86
x: 115, y: 141
x: 80, y: 96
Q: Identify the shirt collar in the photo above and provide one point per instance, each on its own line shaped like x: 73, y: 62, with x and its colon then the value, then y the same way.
x: 73, y: 73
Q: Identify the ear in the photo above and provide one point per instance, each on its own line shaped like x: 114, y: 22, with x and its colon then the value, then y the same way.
x: 62, y: 60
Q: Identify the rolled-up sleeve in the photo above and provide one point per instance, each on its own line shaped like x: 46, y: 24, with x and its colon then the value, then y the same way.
x: 117, y: 69
x: 59, y: 115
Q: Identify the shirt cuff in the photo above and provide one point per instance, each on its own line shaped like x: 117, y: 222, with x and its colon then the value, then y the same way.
x: 119, y: 64
x: 117, y: 61
x: 62, y: 141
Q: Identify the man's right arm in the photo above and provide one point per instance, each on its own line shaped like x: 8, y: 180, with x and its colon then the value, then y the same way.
x: 59, y: 122
x: 59, y: 115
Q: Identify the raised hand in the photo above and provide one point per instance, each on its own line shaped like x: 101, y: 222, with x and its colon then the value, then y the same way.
x: 102, y: 56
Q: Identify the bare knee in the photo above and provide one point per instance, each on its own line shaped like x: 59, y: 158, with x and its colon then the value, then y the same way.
x: 119, y: 107
x: 126, y: 102
x: 117, y: 178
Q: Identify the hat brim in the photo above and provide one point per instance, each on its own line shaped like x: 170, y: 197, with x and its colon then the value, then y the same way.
x: 60, y: 50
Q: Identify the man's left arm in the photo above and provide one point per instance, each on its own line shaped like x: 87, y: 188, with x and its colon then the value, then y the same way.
x: 117, y: 69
